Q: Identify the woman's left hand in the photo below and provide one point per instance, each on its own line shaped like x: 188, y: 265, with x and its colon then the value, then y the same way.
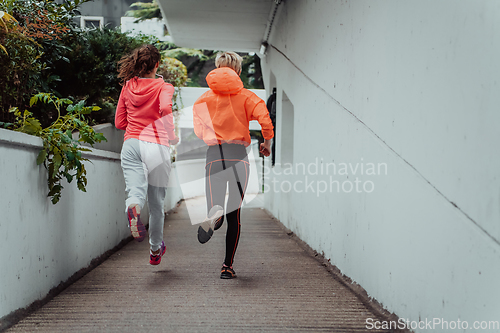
x: 174, y: 141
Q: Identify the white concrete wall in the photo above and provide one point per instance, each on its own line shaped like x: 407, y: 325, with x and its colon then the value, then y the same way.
x: 42, y: 244
x: 114, y: 138
x: 412, y: 85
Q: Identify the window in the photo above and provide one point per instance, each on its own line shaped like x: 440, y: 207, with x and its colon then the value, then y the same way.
x: 91, y: 22
x: 287, y: 127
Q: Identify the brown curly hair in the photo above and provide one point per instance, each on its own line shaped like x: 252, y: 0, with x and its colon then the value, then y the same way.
x: 139, y: 62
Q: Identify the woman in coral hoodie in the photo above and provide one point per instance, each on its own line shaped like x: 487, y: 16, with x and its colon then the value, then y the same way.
x: 144, y: 111
x: 221, y: 118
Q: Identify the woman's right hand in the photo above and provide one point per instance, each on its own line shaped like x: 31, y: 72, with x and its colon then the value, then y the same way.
x: 265, y: 148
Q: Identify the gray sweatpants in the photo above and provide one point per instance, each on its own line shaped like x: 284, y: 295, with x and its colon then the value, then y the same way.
x: 146, y: 169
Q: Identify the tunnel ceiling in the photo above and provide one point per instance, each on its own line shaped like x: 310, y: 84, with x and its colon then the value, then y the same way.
x: 237, y: 25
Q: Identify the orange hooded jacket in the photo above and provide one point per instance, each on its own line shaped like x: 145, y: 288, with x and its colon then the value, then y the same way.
x: 222, y: 114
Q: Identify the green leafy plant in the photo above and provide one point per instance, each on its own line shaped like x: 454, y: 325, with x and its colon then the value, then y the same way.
x: 145, y: 11
x: 32, y: 36
x: 251, y: 73
x: 180, y: 53
x: 61, y: 154
x: 91, y: 70
x: 4, y: 18
x: 19, y: 62
x: 175, y: 73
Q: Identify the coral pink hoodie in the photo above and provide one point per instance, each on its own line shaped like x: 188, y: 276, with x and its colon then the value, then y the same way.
x: 144, y: 110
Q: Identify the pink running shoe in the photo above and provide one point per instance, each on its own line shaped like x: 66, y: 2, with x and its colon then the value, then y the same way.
x: 134, y: 221
x: 156, y: 259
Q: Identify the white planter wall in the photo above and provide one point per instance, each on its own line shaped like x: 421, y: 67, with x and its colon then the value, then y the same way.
x: 412, y: 86
x: 43, y: 244
x: 113, y: 135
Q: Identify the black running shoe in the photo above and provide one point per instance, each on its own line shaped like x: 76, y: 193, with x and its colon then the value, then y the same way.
x: 206, y: 228
x: 227, y: 273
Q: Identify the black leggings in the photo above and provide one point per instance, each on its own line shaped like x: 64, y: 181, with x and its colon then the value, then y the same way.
x: 227, y: 164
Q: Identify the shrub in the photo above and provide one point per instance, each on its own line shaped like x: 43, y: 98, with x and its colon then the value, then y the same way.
x: 32, y: 43
x: 90, y: 71
x: 61, y: 154
x: 18, y: 64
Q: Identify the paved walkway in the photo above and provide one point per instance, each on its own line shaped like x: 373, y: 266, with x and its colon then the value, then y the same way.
x: 280, y: 288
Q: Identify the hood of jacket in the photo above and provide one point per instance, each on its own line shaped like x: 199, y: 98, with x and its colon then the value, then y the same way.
x: 224, y: 80
x: 141, y: 91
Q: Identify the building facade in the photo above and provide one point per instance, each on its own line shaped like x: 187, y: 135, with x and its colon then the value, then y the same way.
x: 99, y: 13
x: 386, y: 141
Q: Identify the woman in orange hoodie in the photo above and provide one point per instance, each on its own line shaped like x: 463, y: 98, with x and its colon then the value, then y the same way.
x: 144, y: 111
x: 221, y: 118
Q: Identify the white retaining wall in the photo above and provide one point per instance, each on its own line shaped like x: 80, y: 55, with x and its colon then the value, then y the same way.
x: 412, y: 87
x: 42, y: 244
x: 113, y: 135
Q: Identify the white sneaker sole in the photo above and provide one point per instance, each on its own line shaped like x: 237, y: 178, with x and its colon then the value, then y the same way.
x: 206, y: 228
